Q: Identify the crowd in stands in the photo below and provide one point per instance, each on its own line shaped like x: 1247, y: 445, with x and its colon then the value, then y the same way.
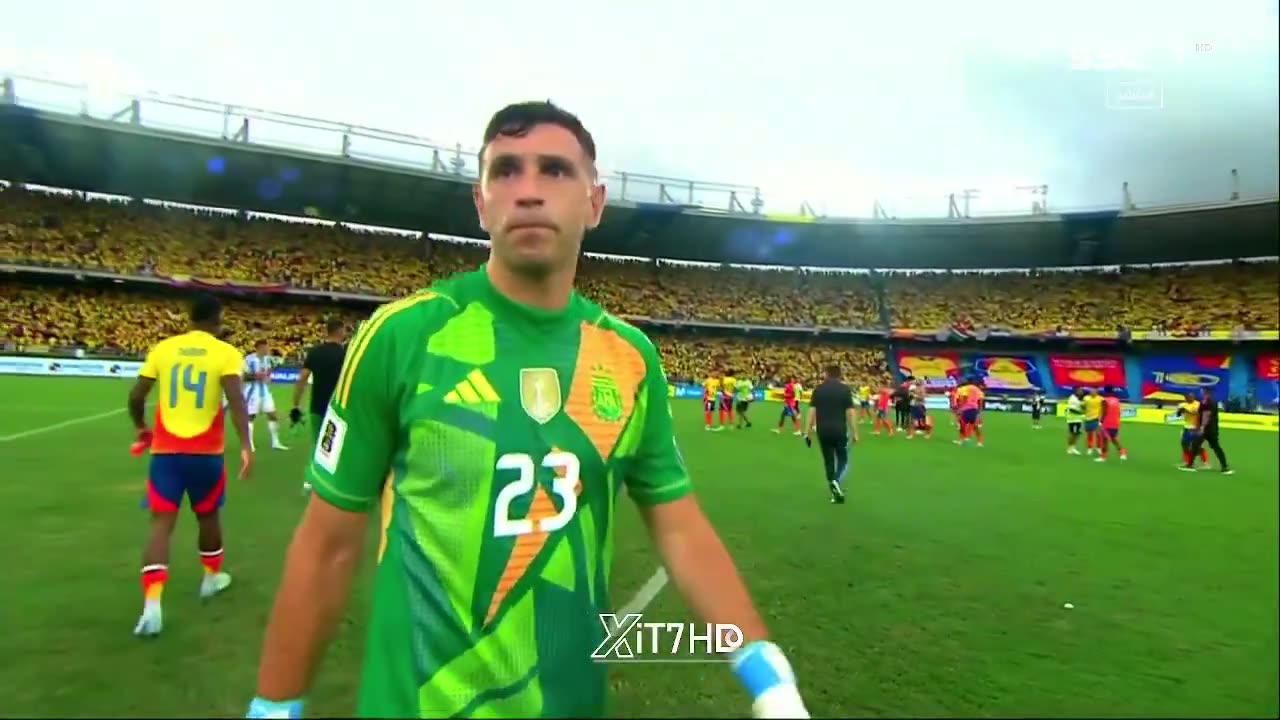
x: 127, y: 322
x: 59, y: 230
x: 1175, y: 299
x: 692, y: 358
x: 65, y: 231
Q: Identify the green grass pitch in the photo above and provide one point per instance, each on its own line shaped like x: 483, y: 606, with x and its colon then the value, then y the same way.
x: 938, y: 589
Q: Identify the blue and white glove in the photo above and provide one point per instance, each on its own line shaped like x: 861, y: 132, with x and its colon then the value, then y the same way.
x: 765, y: 672
x: 288, y: 710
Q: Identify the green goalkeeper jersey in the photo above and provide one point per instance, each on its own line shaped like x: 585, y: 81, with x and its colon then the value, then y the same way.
x: 495, y: 437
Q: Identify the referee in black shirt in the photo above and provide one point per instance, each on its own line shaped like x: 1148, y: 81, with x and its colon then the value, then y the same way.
x: 1208, y: 434
x: 902, y: 406
x: 831, y: 412
x: 321, y: 366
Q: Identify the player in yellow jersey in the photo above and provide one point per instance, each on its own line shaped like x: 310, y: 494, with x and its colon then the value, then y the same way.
x: 192, y: 370
x: 970, y: 397
x: 864, y: 403
x: 710, y: 398
x: 727, y: 386
x: 1189, y: 411
x: 1092, y: 415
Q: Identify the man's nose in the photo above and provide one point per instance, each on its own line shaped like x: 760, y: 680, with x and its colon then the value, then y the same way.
x: 528, y: 190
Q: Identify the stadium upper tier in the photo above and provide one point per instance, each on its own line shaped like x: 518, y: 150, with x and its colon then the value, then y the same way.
x: 38, y: 229
x: 207, y: 153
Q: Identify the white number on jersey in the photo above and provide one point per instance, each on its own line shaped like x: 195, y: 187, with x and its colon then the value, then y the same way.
x: 565, y: 485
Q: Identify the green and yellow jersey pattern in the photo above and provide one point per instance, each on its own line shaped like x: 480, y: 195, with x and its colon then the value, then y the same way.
x: 495, y: 437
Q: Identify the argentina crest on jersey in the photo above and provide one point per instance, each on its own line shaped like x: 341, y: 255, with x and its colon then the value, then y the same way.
x: 540, y: 393
x: 606, y: 398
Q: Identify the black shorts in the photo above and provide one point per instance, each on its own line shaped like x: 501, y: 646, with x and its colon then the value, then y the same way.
x: 1035, y: 414
x: 741, y: 406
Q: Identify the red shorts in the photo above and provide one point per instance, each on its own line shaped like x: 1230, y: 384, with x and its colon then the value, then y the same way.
x: 200, y: 478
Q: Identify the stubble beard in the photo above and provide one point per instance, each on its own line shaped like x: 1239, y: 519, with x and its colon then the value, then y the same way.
x: 561, y: 257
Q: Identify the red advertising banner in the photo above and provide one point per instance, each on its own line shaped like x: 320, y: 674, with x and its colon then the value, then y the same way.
x: 1071, y: 371
x: 1269, y: 367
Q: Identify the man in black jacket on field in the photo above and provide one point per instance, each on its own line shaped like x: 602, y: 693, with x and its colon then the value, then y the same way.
x: 831, y: 413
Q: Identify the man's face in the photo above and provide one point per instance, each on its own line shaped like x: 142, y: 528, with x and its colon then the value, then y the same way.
x: 260, y: 348
x: 536, y: 198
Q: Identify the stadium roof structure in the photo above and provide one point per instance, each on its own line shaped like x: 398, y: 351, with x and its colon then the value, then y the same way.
x: 205, y: 153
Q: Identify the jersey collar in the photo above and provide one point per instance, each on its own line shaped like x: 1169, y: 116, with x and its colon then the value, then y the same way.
x: 528, y: 312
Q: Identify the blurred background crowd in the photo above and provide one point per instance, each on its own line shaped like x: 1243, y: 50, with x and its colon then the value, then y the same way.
x: 62, y: 231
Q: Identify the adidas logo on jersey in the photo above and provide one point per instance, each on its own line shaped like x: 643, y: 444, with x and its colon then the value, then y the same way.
x: 474, y: 388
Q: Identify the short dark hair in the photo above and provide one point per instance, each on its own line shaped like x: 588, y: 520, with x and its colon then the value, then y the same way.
x: 205, y: 309
x: 334, y: 326
x: 517, y: 119
x: 259, y: 341
x: 833, y: 371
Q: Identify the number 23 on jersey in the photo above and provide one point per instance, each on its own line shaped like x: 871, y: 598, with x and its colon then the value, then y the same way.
x: 567, y: 469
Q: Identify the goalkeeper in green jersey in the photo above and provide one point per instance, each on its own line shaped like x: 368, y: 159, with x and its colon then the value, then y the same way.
x: 489, y: 422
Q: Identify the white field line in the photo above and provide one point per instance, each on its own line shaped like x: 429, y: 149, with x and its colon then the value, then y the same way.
x: 59, y: 426
x: 646, y: 593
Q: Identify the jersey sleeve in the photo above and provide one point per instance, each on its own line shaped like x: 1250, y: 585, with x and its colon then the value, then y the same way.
x: 234, y: 361
x: 358, y: 433
x: 658, y: 474
x: 308, y: 362
x: 150, y: 366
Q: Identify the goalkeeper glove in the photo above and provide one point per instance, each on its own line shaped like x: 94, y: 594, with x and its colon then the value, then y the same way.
x: 143, y: 442
x: 295, y: 416
x: 765, y: 672
x: 260, y: 708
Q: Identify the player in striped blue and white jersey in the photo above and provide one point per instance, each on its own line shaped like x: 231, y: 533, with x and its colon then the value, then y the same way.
x: 257, y: 392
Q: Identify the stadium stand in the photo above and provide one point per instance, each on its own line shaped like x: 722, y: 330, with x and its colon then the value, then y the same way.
x: 65, y: 231
x: 689, y: 359
x: 1186, y: 299
x: 127, y: 322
